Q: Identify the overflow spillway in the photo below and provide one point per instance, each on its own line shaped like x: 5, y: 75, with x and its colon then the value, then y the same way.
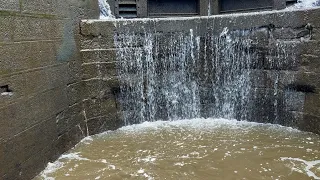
x: 257, y: 67
x: 183, y: 74
x: 172, y: 76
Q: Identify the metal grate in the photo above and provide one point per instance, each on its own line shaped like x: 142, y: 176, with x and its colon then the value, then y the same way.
x: 128, y: 8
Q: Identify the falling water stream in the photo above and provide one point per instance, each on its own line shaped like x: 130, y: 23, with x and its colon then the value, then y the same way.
x: 180, y: 96
x: 179, y: 75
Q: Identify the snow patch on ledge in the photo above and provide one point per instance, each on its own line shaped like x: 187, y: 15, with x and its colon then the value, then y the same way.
x: 304, y: 4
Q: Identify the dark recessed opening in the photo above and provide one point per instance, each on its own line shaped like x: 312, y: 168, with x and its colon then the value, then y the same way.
x: 172, y: 7
x: 5, y: 88
x: 245, y: 5
x: 291, y: 2
x: 5, y: 91
x: 115, y: 91
x: 127, y: 7
x: 302, y: 88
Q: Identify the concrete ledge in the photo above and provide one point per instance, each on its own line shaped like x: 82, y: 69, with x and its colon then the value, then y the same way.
x: 281, y: 18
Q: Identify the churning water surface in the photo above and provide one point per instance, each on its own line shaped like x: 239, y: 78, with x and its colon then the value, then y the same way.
x: 192, y: 149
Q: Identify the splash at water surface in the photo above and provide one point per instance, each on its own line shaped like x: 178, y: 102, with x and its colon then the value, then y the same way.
x: 193, y: 149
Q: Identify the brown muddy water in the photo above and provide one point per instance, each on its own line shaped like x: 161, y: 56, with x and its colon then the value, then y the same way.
x: 192, y: 149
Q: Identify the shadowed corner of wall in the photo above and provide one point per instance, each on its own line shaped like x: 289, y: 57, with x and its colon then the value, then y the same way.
x: 68, y: 46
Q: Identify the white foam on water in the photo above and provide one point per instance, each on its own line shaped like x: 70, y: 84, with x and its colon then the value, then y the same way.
x: 179, y: 164
x: 307, y: 169
x: 140, y: 171
x: 197, y: 124
x: 202, y: 124
x: 51, y: 168
x: 112, y: 166
x: 148, y: 176
x: 148, y: 159
x: 87, y: 140
x: 74, y: 156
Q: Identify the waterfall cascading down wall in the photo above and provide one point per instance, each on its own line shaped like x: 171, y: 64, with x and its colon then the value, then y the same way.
x: 260, y: 67
x: 181, y: 75
x: 170, y: 76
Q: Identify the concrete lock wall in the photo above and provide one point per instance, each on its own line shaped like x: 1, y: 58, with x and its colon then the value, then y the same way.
x: 297, y: 74
x: 55, y: 89
x: 41, y: 114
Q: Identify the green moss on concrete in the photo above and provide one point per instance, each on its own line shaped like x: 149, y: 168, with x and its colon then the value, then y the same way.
x: 20, y: 5
x: 7, y: 13
x: 34, y: 15
x: 44, y: 16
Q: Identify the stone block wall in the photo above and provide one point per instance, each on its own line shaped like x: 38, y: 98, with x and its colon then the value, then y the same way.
x: 41, y: 114
x: 285, y: 83
x: 100, y: 80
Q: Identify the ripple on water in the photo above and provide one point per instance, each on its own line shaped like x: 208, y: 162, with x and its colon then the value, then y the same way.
x: 192, y: 149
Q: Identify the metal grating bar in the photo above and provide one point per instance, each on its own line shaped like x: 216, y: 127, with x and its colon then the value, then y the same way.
x: 128, y: 2
x: 128, y: 9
